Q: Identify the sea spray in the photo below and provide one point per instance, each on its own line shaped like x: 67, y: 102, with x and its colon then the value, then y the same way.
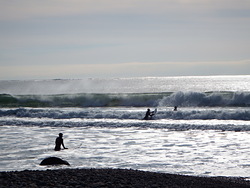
x: 189, y: 99
x: 184, y: 99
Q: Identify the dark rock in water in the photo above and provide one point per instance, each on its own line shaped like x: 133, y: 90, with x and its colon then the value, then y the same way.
x: 54, y: 161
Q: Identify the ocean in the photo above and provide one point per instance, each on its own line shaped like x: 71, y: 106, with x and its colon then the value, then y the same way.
x: 103, y: 126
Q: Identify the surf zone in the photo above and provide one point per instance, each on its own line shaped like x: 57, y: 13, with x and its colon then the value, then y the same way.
x: 184, y: 99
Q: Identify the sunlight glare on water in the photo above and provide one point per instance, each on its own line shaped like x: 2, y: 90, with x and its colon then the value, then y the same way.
x: 193, y: 152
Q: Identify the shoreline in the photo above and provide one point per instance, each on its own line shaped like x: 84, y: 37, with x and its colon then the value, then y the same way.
x: 113, y: 178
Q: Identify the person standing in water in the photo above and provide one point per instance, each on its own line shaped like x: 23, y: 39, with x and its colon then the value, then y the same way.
x: 59, y: 142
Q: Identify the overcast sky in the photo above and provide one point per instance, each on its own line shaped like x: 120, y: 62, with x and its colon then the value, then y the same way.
x: 44, y: 39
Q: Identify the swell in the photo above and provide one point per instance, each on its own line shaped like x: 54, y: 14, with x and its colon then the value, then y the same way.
x: 183, y: 99
x: 207, y: 118
x: 228, y: 113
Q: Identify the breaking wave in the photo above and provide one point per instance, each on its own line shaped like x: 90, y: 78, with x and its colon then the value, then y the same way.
x: 184, y: 99
x: 220, y: 118
x: 206, y: 99
x: 123, y: 113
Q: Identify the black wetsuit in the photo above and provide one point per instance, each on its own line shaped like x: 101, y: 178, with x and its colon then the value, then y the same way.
x: 59, y: 142
x: 148, y: 113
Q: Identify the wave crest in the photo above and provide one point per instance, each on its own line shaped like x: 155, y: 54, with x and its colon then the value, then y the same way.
x: 194, y: 99
x: 184, y: 99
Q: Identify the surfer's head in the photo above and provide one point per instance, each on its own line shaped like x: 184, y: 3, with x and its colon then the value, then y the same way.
x: 60, y: 134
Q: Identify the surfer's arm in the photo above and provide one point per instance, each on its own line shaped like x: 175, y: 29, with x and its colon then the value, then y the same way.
x: 63, y: 146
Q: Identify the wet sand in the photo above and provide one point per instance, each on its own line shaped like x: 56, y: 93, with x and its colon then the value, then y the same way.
x: 112, y: 178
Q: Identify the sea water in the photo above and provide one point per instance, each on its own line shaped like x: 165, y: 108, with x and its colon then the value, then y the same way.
x: 101, y: 120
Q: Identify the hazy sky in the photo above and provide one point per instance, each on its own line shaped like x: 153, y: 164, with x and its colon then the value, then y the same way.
x: 43, y: 39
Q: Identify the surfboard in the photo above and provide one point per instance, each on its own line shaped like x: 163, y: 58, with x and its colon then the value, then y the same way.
x: 153, y: 112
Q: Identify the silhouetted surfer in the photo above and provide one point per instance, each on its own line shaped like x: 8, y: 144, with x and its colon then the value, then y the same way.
x: 149, y: 114
x: 59, y: 142
x: 175, y: 108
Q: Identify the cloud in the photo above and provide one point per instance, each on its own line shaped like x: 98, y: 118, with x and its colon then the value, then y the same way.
x: 25, y: 9
x: 97, y: 38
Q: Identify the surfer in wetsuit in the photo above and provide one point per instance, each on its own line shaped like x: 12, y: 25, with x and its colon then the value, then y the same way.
x: 148, y: 113
x: 59, y: 142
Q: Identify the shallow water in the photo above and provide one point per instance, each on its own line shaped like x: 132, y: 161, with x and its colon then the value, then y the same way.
x: 102, y: 123
x: 191, y: 152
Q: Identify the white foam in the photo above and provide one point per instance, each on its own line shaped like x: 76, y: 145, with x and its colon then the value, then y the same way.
x: 236, y: 119
x: 209, y: 153
x: 206, y: 99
